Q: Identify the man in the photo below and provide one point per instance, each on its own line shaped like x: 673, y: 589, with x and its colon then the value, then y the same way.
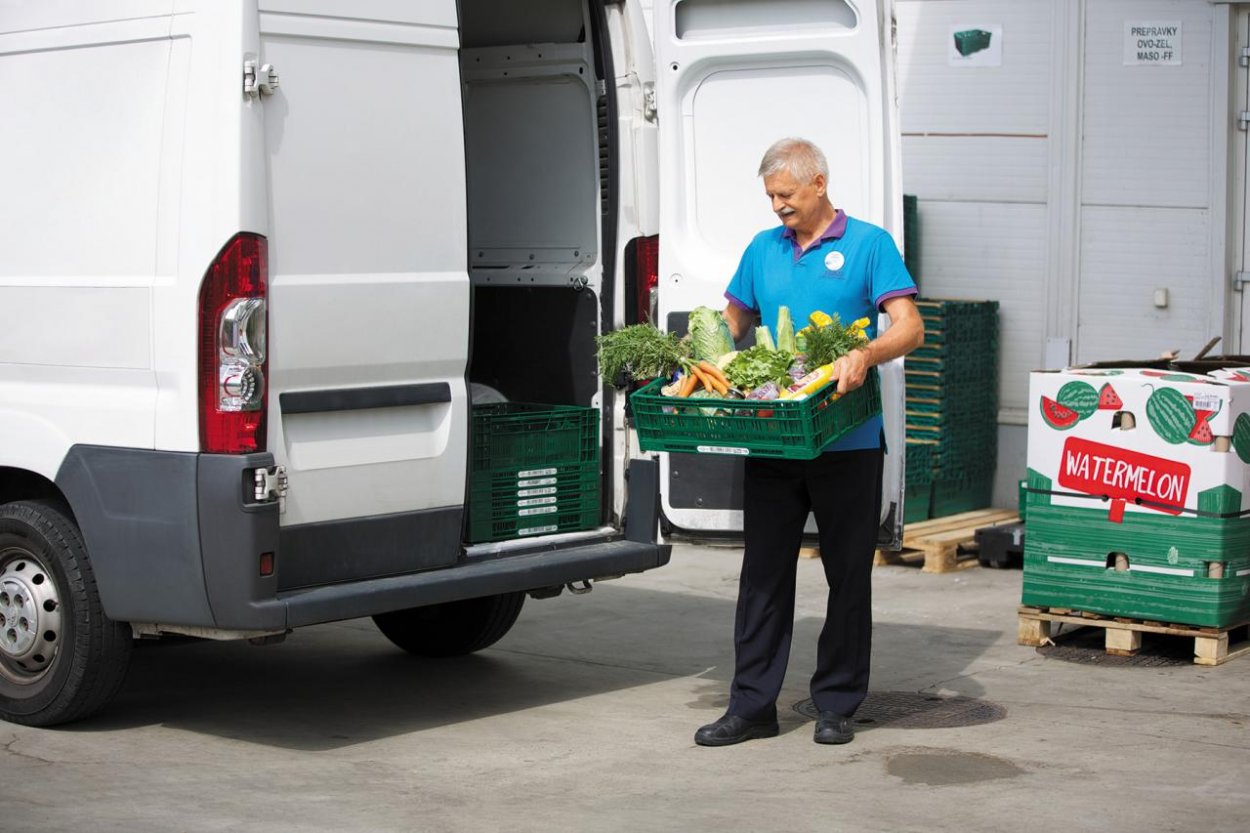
x: 818, y: 259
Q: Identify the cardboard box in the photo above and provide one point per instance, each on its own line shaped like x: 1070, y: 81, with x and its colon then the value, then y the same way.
x: 1138, y: 494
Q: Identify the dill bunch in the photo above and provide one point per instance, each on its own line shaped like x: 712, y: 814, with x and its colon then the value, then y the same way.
x: 832, y: 341
x: 640, y: 351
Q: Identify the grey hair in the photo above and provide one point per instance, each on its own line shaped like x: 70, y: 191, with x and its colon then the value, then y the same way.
x: 798, y: 156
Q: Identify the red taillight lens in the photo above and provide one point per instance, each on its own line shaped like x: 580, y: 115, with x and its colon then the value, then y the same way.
x: 646, y: 277
x: 233, y: 355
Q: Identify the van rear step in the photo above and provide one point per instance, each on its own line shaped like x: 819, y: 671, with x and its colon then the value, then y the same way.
x: 543, y: 568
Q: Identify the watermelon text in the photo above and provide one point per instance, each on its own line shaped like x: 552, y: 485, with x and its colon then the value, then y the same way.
x: 1098, y: 469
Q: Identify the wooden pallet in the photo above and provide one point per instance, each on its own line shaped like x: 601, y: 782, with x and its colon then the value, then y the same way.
x: 945, y: 544
x: 1212, y: 646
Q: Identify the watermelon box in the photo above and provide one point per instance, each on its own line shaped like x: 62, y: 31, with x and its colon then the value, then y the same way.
x: 1144, y: 440
x: 1137, y: 493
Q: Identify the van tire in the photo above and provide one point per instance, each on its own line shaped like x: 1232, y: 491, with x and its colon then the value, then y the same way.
x: 89, y: 652
x: 452, y: 629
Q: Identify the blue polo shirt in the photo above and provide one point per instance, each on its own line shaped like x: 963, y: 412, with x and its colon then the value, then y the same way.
x: 851, y: 270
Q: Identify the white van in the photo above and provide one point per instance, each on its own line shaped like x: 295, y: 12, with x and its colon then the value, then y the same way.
x: 258, y: 256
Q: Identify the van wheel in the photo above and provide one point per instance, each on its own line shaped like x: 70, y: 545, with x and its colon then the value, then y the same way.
x: 454, y: 628
x: 60, y: 658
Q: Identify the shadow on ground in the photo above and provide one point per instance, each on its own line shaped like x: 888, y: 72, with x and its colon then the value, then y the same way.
x: 337, y: 685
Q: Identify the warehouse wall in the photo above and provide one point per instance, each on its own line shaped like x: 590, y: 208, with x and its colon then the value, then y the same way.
x: 1067, y: 181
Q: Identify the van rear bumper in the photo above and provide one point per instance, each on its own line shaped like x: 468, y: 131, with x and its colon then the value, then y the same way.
x: 174, y: 539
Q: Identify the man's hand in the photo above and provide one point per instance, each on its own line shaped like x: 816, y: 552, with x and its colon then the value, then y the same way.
x: 851, y: 370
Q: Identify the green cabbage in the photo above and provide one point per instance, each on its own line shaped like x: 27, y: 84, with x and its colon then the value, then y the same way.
x: 709, y: 334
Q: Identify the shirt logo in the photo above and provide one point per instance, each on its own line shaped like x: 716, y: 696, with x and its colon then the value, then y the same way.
x: 834, y: 261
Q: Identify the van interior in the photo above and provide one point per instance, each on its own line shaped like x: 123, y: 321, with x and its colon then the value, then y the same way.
x: 536, y: 119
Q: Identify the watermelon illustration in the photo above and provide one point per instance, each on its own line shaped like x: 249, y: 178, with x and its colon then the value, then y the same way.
x: 1240, y: 375
x: 1202, y: 434
x: 1061, y: 418
x: 1241, y: 437
x: 1179, y: 377
x: 1106, y: 373
x: 1080, y: 397
x: 1108, y: 399
x: 1155, y: 373
x: 1172, y: 417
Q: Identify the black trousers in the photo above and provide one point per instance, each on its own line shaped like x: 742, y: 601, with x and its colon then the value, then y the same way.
x: 843, y: 489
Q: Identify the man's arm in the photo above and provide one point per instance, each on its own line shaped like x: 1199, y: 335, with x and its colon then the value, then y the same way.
x: 739, y: 320
x: 905, y: 334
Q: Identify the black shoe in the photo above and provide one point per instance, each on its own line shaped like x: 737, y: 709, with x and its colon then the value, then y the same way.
x: 732, y: 729
x: 834, y: 728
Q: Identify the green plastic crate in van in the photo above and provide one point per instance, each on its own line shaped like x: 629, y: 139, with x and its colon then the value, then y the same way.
x: 535, y: 470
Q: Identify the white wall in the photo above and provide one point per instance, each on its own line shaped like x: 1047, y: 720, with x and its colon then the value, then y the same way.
x: 1068, y: 184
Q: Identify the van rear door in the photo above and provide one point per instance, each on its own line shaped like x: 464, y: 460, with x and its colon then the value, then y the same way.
x: 369, y: 292
x: 732, y: 79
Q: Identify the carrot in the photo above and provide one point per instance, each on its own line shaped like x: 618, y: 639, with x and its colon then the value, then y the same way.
x: 688, y: 383
x: 694, y: 370
x: 718, y: 376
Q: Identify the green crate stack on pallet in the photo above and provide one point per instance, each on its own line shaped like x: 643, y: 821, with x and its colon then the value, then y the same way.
x: 911, y: 236
x: 535, y: 470
x: 952, y: 409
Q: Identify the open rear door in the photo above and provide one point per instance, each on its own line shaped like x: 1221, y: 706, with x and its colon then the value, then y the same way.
x: 369, y: 318
x: 733, y: 77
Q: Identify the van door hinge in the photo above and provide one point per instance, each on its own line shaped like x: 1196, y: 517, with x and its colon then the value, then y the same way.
x: 258, y: 81
x: 1240, y: 279
x: 648, y: 101
x: 1243, y: 57
x: 1243, y: 119
x: 269, y: 485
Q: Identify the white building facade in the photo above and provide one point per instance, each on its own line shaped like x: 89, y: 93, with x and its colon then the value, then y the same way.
x: 1083, y: 163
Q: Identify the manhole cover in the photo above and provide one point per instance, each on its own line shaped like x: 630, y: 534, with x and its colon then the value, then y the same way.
x: 1087, y: 646
x: 909, y: 710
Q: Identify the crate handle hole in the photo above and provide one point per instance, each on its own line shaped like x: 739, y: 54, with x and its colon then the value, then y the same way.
x: 1117, y: 561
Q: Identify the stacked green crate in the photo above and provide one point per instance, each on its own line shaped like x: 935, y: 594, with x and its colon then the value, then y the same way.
x: 535, y: 470
x: 952, y: 406
x: 911, y: 236
x: 918, y: 485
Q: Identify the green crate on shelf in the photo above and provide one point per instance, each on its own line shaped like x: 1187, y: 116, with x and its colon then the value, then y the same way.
x: 502, y: 523
x: 512, y: 435
x: 791, y: 429
x: 535, y: 470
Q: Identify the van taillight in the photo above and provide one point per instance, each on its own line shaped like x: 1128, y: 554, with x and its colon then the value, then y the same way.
x: 643, y: 259
x: 232, y: 351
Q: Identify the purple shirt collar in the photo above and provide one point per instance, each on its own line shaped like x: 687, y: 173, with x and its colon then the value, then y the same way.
x: 835, y: 230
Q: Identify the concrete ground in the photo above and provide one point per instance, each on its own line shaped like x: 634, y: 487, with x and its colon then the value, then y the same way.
x: 581, y: 719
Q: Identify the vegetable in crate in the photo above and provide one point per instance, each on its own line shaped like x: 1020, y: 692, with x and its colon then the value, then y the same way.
x: 785, y: 331
x: 828, y: 342
x: 640, y: 351
x: 709, y: 334
x: 758, y: 365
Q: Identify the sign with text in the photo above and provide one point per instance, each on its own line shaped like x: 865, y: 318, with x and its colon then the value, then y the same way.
x: 1120, y: 474
x: 1152, y: 43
